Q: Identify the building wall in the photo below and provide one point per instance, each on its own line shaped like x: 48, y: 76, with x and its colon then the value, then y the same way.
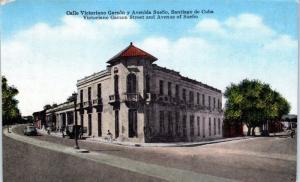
x: 168, y: 105
x: 148, y: 113
x: 108, y: 114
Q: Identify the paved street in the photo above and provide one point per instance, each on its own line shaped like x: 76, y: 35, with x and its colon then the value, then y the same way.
x: 27, y: 163
x: 259, y: 159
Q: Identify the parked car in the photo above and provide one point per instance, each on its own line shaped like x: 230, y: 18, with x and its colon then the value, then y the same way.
x: 30, y: 131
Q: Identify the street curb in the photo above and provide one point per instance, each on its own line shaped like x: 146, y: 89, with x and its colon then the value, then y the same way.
x: 128, y: 144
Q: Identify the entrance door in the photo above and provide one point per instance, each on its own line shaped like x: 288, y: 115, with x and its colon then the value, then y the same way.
x: 99, y: 124
x: 117, y: 123
x: 132, y: 121
x: 90, y: 124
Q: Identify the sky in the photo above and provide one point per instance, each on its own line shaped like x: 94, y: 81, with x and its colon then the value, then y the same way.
x: 44, y: 51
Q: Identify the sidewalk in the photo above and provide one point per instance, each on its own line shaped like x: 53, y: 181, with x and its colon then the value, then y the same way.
x: 133, y: 144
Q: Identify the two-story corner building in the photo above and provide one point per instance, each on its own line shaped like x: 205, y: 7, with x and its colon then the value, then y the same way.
x: 139, y: 101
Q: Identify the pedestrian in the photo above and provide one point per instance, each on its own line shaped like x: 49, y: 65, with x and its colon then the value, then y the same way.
x: 62, y: 131
x: 292, y: 133
x: 110, y: 136
x: 48, y: 130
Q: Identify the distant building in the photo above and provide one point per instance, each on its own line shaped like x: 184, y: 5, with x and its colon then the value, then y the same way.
x: 60, y: 116
x: 39, y: 118
x: 139, y: 101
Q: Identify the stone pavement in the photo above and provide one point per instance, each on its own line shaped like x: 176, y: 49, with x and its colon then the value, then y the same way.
x: 173, y: 144
x: 166, y: 173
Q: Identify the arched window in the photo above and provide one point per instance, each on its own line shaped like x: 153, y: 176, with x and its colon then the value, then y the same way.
x: 131, y: 83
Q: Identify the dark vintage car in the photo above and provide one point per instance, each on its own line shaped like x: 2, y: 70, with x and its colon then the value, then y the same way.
x: 70, y: 130
x: 30, y: 131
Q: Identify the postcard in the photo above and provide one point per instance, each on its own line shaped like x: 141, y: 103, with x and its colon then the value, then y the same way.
x: 149, y: 90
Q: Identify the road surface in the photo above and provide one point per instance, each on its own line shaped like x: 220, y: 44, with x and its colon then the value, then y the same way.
x: 259, y: 159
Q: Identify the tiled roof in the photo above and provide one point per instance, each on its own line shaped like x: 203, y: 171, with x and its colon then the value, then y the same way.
x: 132, y: 51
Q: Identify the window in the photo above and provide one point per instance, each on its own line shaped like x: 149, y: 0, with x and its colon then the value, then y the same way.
x: 203, y: 127
x: 214, y: 102
x: 89, y: 93
x: 198, y: 98
x: 161, y: 122
x: 161, y: 87
x: 99, y: 91
x: 169, y: 89
x: 170, y: 124
x: 209, y: 126
x: 219, y: 126
x: 192, y: 125
x: 215, y: 132
x: 203, y: 99
x: 191, y: 97
x: 131, y: 83
x: 116, y: 84
x: 184, y: 125
x: 147, y: 84
x: 177, y: 123
x: 184, y: 94
x: 177, y: 91
x: 81, y: 96
x: 198, y: 125
x: 209, y: 101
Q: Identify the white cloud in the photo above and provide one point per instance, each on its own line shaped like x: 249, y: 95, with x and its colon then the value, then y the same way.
x: 282, y: 42
x: 237, y: 48
x: 45, y: 61
x: 210, y: 25
x: 244, y: 27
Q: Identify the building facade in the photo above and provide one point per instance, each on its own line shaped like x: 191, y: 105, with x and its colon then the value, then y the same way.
x: 139, y: 101
x: 60, y: 116
x: 39, y: 119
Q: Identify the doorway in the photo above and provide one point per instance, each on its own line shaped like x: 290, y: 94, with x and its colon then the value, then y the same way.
x: 132, y: 122
x: 117, y: 123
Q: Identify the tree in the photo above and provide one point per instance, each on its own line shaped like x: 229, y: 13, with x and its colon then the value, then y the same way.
x: 253, y: 102
x: 10, y: 111
x: 54, y: 105
x: 47, y: 106
x: 70, y: 98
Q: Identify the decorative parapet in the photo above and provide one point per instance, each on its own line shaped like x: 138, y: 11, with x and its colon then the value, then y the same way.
x: 60, y: 107
x: 93, y: 77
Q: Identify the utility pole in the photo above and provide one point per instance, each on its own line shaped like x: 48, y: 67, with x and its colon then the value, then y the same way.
x: 76, y: 125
